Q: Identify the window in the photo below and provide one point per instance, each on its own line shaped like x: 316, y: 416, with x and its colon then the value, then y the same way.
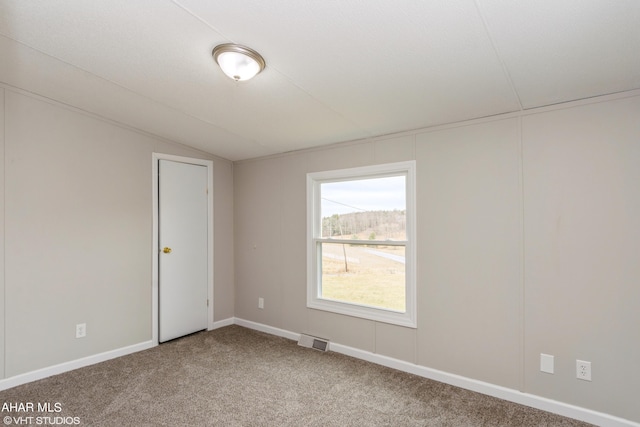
x: 361, y: 242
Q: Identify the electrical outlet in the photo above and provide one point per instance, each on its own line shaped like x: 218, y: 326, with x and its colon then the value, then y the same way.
x: 583, y: 370
x: 81, y: 330
x: 261, y: 303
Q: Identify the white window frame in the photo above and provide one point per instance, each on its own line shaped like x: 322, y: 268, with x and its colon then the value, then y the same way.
x: 314, y: 239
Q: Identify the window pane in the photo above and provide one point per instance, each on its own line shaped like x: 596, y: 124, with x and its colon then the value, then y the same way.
x: 364, y: 209
x: 371, y: 275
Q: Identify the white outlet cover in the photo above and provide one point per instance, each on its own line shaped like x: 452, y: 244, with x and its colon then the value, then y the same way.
x: 81, y: 330
x: 583, y: 370
x: 546, y: 363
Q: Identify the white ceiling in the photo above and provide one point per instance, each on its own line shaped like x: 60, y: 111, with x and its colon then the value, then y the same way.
x: 336, y: 70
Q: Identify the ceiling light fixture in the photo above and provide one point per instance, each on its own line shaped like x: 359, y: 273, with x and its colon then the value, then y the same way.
x: 238, y: 62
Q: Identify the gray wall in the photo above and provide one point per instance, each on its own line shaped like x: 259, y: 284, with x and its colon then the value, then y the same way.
x: 528, y: 227
x: 2, y: 304
x: 78, y: 233
x: 528, y: 243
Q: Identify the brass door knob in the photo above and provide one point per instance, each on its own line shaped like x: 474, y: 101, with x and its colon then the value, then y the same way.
x: 166, y: 250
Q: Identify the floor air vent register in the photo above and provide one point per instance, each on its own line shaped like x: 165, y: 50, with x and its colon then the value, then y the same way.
x: 313, y: 342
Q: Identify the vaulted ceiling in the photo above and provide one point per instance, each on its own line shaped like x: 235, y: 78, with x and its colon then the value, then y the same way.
x: 336, y: 70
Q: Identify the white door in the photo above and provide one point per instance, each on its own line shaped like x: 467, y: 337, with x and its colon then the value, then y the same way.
x: 182, y: 278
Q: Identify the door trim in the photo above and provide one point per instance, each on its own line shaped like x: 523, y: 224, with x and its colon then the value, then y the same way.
x: 155, y: 157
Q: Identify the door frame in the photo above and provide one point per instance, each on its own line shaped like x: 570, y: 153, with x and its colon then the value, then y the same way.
x: 155, y: 248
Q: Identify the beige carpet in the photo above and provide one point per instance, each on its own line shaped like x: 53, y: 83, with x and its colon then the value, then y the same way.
x: 238, y: 377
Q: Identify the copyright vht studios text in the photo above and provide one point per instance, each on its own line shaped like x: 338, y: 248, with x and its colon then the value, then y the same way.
x: 30, y: 413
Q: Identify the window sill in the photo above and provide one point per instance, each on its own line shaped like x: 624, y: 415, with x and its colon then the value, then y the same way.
x: 364, y: 312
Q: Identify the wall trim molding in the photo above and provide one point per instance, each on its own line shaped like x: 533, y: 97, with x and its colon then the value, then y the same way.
x: 511, y: 395
x: 222, y: 323
x: 61, y: 368
x: 265, y: 328
x: 72, y: 365
x: 470, y: 122
x: 96, y: 116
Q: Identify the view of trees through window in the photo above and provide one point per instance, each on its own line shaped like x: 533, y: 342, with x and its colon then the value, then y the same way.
x: 369, y: 268
x: 369, y: 225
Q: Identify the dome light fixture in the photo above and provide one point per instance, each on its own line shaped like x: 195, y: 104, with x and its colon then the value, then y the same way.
x: 238, y: 62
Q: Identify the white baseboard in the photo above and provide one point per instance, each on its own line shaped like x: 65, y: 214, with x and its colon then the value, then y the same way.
x: 222, y: 323
x: 553, y: 406
x: 70, y: 366
x: 268, y: 329
x: 511, y: 395
x: 89, y: 360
